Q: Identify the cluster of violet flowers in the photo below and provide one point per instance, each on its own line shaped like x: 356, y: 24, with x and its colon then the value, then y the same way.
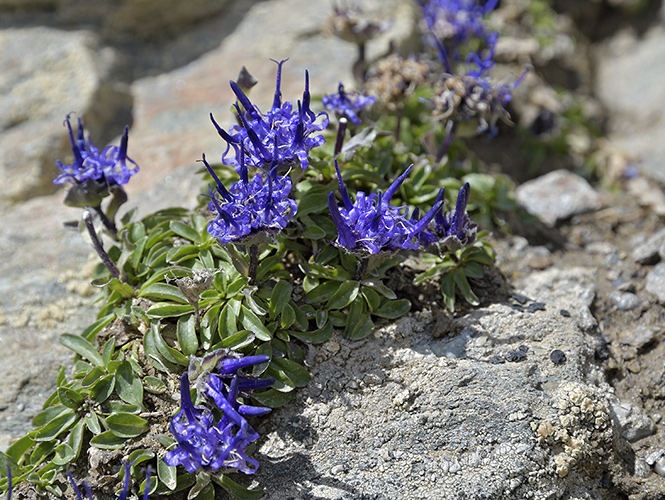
x: 206, y: 441
x: 451, y: 27
x: 371, y: 225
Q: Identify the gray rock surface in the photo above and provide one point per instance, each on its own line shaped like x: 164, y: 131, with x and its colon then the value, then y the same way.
x: 403, y: 416
x: 637, y: 123
x: 656, y: 282
x: 648, y: 252
x: 557, y: 196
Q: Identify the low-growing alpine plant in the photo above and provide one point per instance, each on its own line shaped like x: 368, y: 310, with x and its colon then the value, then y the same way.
x: 304, y: 230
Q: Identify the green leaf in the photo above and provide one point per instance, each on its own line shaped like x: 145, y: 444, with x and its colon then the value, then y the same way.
x: 186, y: 333
x: 377, y: 285
x: 163, y: 292
x: 315, y: 337
x: 167, y: 474
x: 70, y: 398
x: 448, y: 291
x: 56, y: 426
x: 91, y: 331
x: 82, y: 347
x: 93, y: 376
x: 185, y: 231
x: 237, y: 340
x: 272, y: 398
x: 18, y: 448
x: 297, y: 373
x: 473, y: 270
x: 107, y: 440
x: 103, y: 388
x: 126, y: 425
x: 251, y: 322
x: 393, y: 309
x: 288, y: 316
x: 107, y: 351
x: 321, y: 317
x: 178, y: 255
x: 362, y: 329
x: 61, y: 378
x: 151, y: 350
x: 154, y: 385
x: 346, y: 293
x: 282, y: 381
x: 76, y: 438
x: 464, y: 287
x: 92, y: 423
x: 139, y: 456
x: 128, y: 385
x: 371, y: 297
x: 64, y: 454
x: 280, y: 296
x: 169, y: 310
x: 322, y: 292
x: 236, y: 490
x: 48, y: 414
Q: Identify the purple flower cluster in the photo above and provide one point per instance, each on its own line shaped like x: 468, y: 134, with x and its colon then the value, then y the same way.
x: 450, y: 25
x: 249, y: 208
x: 205, y: 441
x: 281, y: 136
x: 455, y: 229
x: 372, y: 224
x: 347, y: 104
x: 105, y: 168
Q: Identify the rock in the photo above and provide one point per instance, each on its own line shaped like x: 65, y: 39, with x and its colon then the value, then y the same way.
x: 648, y: 252
x: 640, y: 336
x: 45, y: 74
x: 656, y: 282
x: 637, y: 121
x: 140, y: 19
x: 445, y: 428
x: 557, y: 196
x: 625, y: 301
x: 659, y: 466
x: 632, y: 422
x: 647, y: 193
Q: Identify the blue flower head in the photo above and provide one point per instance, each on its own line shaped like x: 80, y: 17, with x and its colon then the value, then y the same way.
x: 453, y: 230
x: 94, y: 168
x: 451, y: 26
x: 247, y: 208
x: 347, y: 104
x: 203, y: 440
x: 282, y: 136
x: 372, y: 224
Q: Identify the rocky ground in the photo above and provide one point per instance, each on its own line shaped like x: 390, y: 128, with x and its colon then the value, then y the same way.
x: 552, y: 388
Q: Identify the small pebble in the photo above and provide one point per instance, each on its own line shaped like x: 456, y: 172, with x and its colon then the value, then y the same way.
x: 564, y: 313
x: 496, y: 360
x: 660, y: 466
x: 625, y: 301
x: 20, y: 407
x: 535, y: 306
x: 523, y: 348
x: 558, y: 357
x: 515, y: 356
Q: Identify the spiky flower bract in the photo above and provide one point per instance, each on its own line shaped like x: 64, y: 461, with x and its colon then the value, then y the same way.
x: 453, y: 230
x: 248, y: 208
x: 371, y: 224
x: 283, y: 136
x: 348, y: 104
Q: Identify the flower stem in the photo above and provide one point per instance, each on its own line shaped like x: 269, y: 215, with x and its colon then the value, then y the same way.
x: 361, y: 268
x: 253, y: 253
x: 109, y: 225
x: 97, y: 245
x: 450, y: 136
x: 341, y: 130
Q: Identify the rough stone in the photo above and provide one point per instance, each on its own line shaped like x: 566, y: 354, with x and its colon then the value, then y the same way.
x: 632, y: 422
x: 656, y: 282
x: 557, y: 196
x: 468, y: 422
x: 625, y: 300
x: 648, y: 252
x: 637, y: 120
x: 46, y: 74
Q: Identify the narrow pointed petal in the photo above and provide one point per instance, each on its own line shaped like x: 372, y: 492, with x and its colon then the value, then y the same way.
x: 422, y: 224
x: 75, y: 145
x: 277, y: 101
x: 346, y: 237
x: 244, y: 100
x: 342, y: 189
x: 220, y: 186
x: 232, y: 365
x: 122, y: 155
x: 254, y: 139
x: 223, y: 133
x: 395, y: 185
